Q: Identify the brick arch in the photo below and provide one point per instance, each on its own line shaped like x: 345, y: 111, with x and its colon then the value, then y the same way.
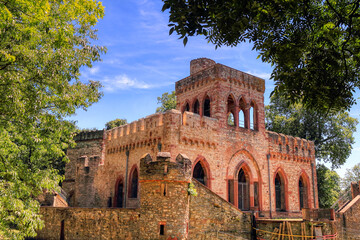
x: 254, y: 105
x: 131, y: 187
x: 231, y: 108
x: 306, y: 181
x: 183, y: 109
x: 244, y: 159
x: 119, y: 180
x: 283, y: 177
x: 243, y: 110
x: 206, y: 167
x: 193, y: 106
x: 203, y: 110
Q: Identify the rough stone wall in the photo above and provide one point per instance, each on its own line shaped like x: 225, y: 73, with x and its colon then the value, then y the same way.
x: 89, y: 223
x: 85, y: 159
x: 347, y: 220
x: 164, y: 197
x: 212, y: 216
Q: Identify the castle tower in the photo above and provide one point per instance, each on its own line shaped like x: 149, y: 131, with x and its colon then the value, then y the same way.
x: 164, y: 212
x: 215, y: 90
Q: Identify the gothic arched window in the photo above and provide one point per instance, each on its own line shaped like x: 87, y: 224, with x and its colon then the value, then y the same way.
x: 199, y: 173
x: 243, y: 191
x: 133, y: 193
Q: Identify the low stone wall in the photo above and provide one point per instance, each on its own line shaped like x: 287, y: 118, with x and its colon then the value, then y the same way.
x: 89, y: 223
x: 347, y: 220
x: 211, y: 217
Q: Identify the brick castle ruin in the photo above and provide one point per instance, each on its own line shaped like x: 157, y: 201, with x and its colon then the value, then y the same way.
x: 132, y: 181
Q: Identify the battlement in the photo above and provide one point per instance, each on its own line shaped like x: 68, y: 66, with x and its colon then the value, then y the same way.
x: 147, y: 123
x: 288, y: 147
x: 164, y: 169
x: 206, y: 73
x: 128, y: 132
x: 89, y: 135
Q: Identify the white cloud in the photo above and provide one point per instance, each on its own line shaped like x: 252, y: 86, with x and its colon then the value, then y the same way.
x: 123, y: 82
x: 94, y: 70
x: 265, y: 76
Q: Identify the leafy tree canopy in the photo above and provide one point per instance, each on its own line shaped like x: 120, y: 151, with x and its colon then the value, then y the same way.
x: 43, y: 45
x: 314, y: 46
x: 328, y: 182
x: 167, y: 101
x: 331, y: 133
x: 115, y: 123
x: 351, y: 175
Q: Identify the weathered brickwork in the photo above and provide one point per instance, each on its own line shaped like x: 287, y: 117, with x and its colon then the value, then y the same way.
x: 219, y: 125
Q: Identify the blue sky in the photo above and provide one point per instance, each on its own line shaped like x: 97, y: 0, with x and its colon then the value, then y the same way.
x: 143, y: 61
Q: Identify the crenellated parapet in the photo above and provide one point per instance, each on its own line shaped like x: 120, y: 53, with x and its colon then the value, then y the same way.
x: 219, y: 72
x: 89, y: 135
x: 284, y: 147
x: 151, y: 131
x: 164, y: 169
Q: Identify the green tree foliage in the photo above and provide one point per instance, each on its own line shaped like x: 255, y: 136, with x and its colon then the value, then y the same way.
x: 351, y: 175
x: 43, y: 45
x: 331, y: 133
x: 168, y: 101
x: 328, y: 183
x: 314, y: 46
x: 115, y: 123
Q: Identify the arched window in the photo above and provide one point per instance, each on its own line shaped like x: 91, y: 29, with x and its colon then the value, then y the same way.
x: 231, y: 109
x: 243, y: 191
x: 199, y: 173
x: 303, y: 194
x: 279, y: 193
x: 196, y: 107
x: 251, y: 113
x: 133, y: 188
x: 206, y: 107
x: 242, y: 114
x: 230, y: 119
x: 119, y: 194
x: 186, y: 107
x: 242, y: 119
x: 253, y: 117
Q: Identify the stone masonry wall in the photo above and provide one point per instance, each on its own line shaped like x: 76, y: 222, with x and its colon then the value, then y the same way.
x: 347, y: 220
x: 212, y: 216
x: 85, y: 160
x: 89, y: 223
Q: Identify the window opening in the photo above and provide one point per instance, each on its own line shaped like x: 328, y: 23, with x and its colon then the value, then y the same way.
x: 162, y: 229
x: 134, y: 184
x: 62, y: 230
x: 279, y: 194
x: 302, y: 194
x: 187, y: 107
x: 241, y: 119
x: 230, y: 119
x: 199, y: 173
x: 252, y: 124
x: 207, y: 107
x: 256, y: 194
x: 243, y: 191
x: 231, y: 191
x: 120, y: 195
x: 196, y: 107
